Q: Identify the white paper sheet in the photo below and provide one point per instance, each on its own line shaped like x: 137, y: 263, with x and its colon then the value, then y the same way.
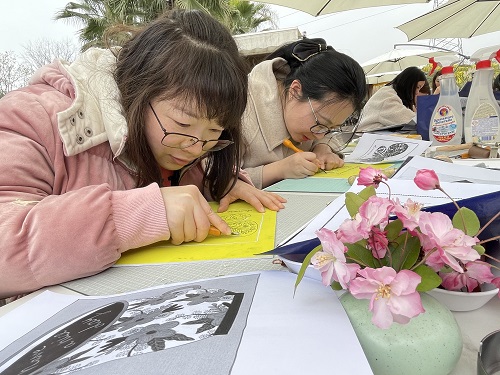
x: 448, y: 172
x: 335, y: 213
x: 377, y: 148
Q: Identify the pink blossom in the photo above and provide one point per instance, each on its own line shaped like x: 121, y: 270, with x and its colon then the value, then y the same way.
x: 370, y: 177
x: 376, y: 210
x: 409, y: 214
x: 331, y: 262
x: 426, y: 179
x: 475, y: 273
x: 437, y: 232
x: 393, y: 296
x: 353, y: 230
x: 378, y: 242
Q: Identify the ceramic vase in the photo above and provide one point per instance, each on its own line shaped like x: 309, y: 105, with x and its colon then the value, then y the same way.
x: 430, y: 343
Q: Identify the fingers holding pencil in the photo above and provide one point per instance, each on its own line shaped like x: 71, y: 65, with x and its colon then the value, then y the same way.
x: 288, y: 143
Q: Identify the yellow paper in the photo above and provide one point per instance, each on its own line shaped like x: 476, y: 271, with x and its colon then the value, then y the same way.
x: 350, y: 169
x: 256, y: 235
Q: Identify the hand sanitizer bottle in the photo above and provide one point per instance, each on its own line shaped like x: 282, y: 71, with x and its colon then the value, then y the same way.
x: 446, y: 124
x: 482, y: 112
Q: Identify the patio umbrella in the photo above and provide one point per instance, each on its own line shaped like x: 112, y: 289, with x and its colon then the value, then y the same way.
x: 319, y: 7
x: 455, y: 19
x: 377, y: 79
x: 400, y: 59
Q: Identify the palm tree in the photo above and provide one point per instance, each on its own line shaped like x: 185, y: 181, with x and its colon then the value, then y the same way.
x: 96, y: 16
x: 248, y: 17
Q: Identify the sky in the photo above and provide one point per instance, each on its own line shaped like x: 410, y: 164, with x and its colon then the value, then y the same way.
x: 363, y: 33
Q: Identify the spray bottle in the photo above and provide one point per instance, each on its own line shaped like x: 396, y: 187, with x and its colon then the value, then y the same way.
x: 482, y: 112
x: 446, y: 124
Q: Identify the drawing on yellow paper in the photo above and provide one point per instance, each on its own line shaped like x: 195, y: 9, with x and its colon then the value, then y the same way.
x: 256, y: 235
x: 349, y: 169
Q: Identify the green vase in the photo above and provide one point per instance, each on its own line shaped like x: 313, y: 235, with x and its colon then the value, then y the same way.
x: 429, y: 344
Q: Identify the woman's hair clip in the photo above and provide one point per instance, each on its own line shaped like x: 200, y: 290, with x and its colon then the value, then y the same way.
x: 307, y: 48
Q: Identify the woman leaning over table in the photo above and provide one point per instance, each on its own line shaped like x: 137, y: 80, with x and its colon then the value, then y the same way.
x: 395, y: 103
x: 89, y: 151
x: 301, y: 92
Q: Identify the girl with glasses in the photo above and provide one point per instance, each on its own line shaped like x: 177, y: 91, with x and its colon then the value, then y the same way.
x: 303, y: 92
x: 92, y: 152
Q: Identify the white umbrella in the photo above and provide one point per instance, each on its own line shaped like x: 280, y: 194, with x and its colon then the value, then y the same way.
x: 377, y: 79
x: 400, y: 59
x: 455, y: 19
x: 318, y: 7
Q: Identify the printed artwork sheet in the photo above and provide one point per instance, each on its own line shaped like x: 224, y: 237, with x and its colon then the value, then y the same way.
x: 243, y: 324
x: 256, y: 234
x: 377, y: 148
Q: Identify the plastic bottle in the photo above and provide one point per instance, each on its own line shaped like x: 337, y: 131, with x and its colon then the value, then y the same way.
x: 482, y: 112
x: 446, y: 124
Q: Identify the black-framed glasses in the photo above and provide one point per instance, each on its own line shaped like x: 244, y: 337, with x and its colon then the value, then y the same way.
x: 182, y: 141
x: 340, y: 136
x: 318, y: 128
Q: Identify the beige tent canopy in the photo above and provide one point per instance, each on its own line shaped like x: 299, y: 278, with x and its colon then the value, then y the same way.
x: 255, y: 46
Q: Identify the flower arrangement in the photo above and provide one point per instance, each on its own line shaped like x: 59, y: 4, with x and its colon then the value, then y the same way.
x: 389, y: 252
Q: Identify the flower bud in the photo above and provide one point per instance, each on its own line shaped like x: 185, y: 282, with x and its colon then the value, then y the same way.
x: 426, y: 179
x: 370, y: 177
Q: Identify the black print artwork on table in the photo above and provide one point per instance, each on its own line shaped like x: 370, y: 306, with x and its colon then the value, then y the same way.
x: 162, y: 325
x: 385, y: 152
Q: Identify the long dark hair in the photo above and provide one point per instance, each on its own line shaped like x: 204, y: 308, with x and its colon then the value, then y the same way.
x: 190, y: 56
x: 434, y: 78
x: 405, y: 85
x: 322, y: 71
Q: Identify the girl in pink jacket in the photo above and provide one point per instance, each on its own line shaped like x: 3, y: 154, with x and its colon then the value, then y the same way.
x: 119, y: 149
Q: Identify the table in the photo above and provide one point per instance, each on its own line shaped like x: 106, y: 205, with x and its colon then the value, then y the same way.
x: 474, y: 325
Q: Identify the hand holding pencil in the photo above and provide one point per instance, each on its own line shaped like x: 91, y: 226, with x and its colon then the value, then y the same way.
x: 287, y: 143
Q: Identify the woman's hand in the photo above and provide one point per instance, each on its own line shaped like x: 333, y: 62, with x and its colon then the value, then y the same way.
x: 189, y: 215
x: 328, y: 159
x: 259, y: 199
x: 299, y: 165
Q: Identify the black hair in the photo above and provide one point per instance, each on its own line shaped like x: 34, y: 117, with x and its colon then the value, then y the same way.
x: 190, y: 56
x: 405, y: 85
x: 322, y: 71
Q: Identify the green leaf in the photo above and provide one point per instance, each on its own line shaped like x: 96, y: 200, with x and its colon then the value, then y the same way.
x: 393, y: 229
x: 430, y: 279
x: 336, y: 285
x: 361, y: 255
x: 406, y: 254
x: 472, y: 224
x: 367, y: 192
x: 353, y: 202
x: 305, y: 264
x: 479, y: 248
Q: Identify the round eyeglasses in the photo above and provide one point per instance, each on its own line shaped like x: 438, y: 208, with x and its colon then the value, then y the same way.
x: 340, y: 136
x: 182, y: 141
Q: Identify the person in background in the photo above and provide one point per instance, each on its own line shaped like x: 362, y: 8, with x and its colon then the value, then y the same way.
x: 436, y: 83
x: 92, y: 152
x: 395, y: 103
x: 496, y: 83
x: 303, y: 92
x: 425, y: 90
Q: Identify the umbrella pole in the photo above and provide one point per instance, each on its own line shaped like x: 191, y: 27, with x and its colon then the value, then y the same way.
x: 465, y: 57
